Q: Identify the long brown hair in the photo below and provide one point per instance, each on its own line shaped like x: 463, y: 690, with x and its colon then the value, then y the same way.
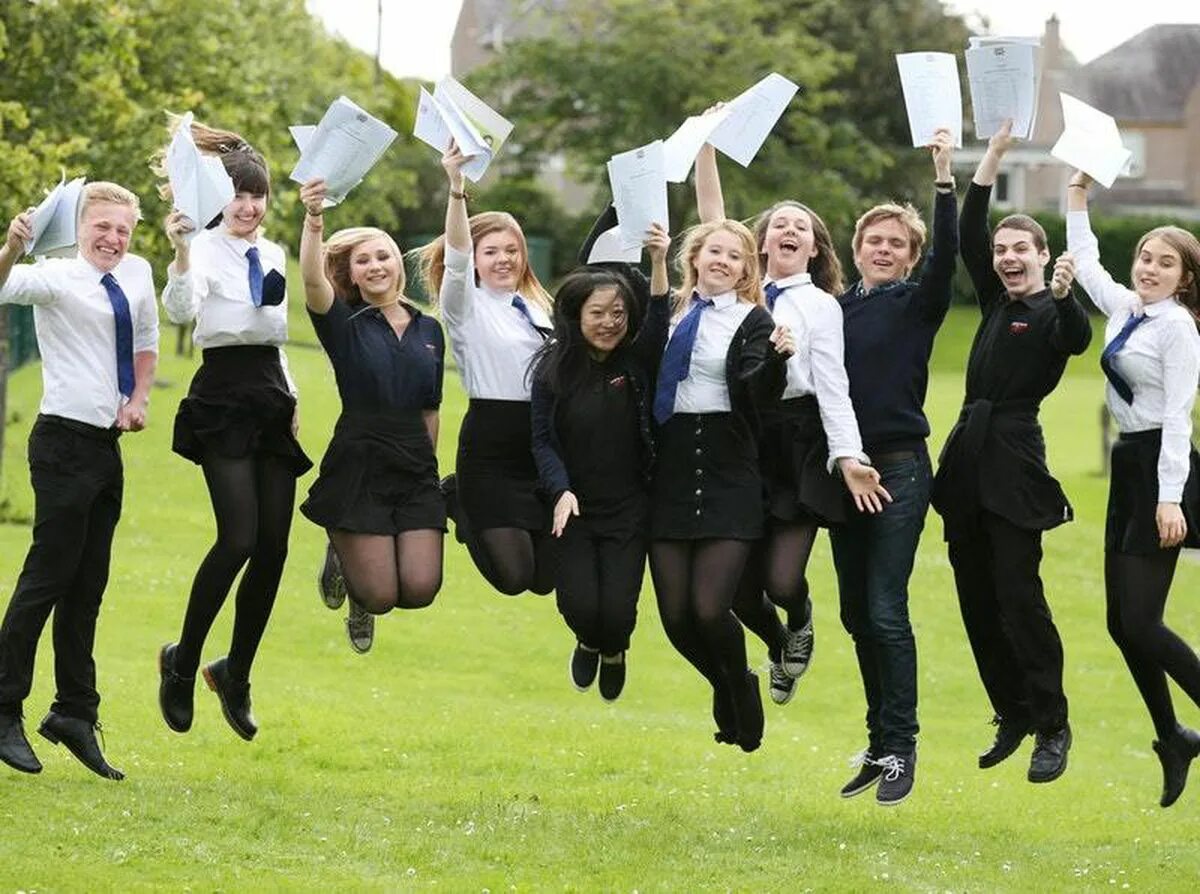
x: 748, y: 286
x: 825, y: 268
x: 340, y: 246
x: 243, y: 163
x: 433, y: 258
x: 1188, y: 246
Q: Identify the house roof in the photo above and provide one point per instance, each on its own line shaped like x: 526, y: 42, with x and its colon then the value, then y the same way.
x: 1147, y: 78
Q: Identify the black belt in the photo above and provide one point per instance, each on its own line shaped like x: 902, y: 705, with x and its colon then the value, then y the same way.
x: 895, y: 456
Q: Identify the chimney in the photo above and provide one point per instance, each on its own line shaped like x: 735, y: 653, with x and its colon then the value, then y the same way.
x: 1051, y: 45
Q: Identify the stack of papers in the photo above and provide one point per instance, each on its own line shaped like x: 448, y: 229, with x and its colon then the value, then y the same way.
x: 200, y: 186
x: 1090, y: 141
x: 341, y: 148
x: 1004, y: 74
x: 932, y: 95
x: 738, y: 129
x: 455, y: 113
x: 54, y: 221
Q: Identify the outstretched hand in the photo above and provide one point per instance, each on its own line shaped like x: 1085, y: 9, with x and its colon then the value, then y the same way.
x: 312, y: 196
x: 942, y: 150
x: 863, y: 483
x: 20, y: 230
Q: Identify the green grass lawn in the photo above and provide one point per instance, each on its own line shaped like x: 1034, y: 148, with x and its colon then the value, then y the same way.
x: 456, y: 756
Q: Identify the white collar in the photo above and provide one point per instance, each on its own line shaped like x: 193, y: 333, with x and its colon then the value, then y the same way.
x: 722, y: 301
x: 796, y: 279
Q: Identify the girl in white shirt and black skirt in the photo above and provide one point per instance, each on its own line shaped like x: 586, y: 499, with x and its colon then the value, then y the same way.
x: 497, y: 315
x: 237, y: 423
x: 1151, y: 359
x: 724, y: 361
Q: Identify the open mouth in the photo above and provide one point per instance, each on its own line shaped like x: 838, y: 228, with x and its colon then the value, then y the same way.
x: 1012, y: 275
x: 789, y: 246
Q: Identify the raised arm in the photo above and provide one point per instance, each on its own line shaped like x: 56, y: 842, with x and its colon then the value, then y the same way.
x: 975, y: 244
x: 20, y: 231
x: 29, y: 285
x: 318, y: 291
x: 179, y: 297
x: 458, y: 227
x: 652, y: 337
x: 1072, y: 331
x: 710, y: 203
x: 932, y: 296
x: 1106, y: 293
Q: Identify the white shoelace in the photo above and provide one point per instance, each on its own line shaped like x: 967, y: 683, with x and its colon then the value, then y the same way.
x: 862, y: 759
x: 892, y: 765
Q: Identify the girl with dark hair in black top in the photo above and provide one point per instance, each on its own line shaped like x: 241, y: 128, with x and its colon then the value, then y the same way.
x: 591, y: 390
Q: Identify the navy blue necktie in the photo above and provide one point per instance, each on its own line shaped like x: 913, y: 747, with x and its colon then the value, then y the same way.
x: 677, y: 359
x: 124, y: 326
x: 519, y: 303
x: 772, y: 292
x: 1110, y: 351
x: 256, y: 276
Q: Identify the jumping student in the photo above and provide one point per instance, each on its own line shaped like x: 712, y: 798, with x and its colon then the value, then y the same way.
x: 237, y: 423
x: 497, y: 317
x: 724, y: 361
x: 808, y: 434
x: 890, y: 321
x: 1151, y: 359
x: 591, y: 393
x: 377, y: 495
x: 992, y: 489
x: 97, y: 331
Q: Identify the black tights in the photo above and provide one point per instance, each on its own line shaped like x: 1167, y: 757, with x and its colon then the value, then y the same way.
x: 252, y: 500
x: 1136, y: 588
x: 695, y: 582
x: 383, y: 572
x: 514, y: 560
x: 774, y: 576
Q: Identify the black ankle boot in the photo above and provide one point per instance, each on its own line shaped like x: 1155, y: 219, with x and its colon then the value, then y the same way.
x: 1176, y: 754
x: 175, y: 692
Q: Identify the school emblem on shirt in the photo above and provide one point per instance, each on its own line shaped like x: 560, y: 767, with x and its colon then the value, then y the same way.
x: 1017, y: 327
x: 617, y: 381
x: 432, y: 348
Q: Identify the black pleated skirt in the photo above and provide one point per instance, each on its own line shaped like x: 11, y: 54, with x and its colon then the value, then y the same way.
x: 794, y: 458
x: 379, y: 476
x: 239, y: 405
x: 496, y: 474
x: 1133, y: 496
x: 706, y: 483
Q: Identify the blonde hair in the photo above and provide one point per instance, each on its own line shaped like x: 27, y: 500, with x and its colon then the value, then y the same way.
x: 1188, y: 246
x: 749, y: 285
x: 103, y: 191
x: 909, y: 218
x: 433, y: 258
x: 340, y: 246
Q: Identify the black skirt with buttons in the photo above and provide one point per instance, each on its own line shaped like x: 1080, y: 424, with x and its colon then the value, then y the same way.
x: 239, y: 405
x: 496, y: 475
x: 707, y: 483
x: 794, y: 458
x: 1131, y: 526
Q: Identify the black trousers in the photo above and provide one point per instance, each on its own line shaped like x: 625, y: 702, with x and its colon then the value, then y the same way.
x: 77, y: 484
x: 1009, y: 625
x: 599, y: 580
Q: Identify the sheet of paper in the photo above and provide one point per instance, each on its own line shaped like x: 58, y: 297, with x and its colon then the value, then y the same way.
x: 1090, y: 141
x: 1003, y: 79
x: 346, y: 144
x: 680, y: 148
x: 453, y: 112
x: 639, y: 187
x: 301, y: 134
x: 991, y: 40
x: 932, y: 94
x: 752, y: 117
x: 53, y: 220
x: 611, y: 245
x: 200, y: 186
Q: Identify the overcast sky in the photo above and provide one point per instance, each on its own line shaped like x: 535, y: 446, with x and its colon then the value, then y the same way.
x: 416, y: 33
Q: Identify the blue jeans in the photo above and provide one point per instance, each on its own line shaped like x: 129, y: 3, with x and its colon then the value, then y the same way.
x: 874, y: 556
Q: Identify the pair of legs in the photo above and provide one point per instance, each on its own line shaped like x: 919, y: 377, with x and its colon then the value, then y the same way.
x: 1136, y: 588
x: 775, y: 577
x: 252, y: 500
x: 77, y: 485
x: 514, y: 560
x: 873, y: 556
x: 1009, y: 625
x: 384, y: 571
x: 599, y: 580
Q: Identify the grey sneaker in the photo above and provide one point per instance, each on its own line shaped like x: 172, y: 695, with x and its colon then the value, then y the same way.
x: 783, y: 684
x: 797, y: 651
x: 360, y: 628
x: 330, y: 581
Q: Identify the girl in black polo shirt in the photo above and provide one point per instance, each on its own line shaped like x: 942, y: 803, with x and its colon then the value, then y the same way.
x: 377, y: 494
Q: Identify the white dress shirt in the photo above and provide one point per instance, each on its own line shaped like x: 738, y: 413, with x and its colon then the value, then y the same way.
x: 815, y: 320
x: 492, y: 341
x: 1160, y: 361
x: 76, y: 334
x: 705, y: 389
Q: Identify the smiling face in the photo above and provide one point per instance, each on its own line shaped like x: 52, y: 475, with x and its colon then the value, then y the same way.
x: 1019, y: 262
x: 375, y: 269
x: 243, y: 215
x: 1157, y: 271
x: 104, y: 232
x: 720, y: 263
x: 885, y: 253
x: 603, y: 320
x: 499, y: 260
x: 789, y: 242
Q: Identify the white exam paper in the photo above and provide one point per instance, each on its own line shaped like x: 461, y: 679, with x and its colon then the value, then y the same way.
x: 1090, y: 141
x: 611, y: 245
x: 345, y: 145
x: 639, y: 187
x: 1003, y: 80
x: 453, y: 112
x: 53, y: 221
x: 932, y: 94
x: 200, y: 185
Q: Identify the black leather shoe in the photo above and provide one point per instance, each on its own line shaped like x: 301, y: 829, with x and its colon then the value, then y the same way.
x: 175, y: 692
x: 748, y: 707
x: 234, y: 696
x: 1049, y: 758
x: 14, y: 747
x: 583, y: 667
x: 612, y: 676
x: 1009, y: 736
x: 1176, y: 755
x: 80, y: 738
